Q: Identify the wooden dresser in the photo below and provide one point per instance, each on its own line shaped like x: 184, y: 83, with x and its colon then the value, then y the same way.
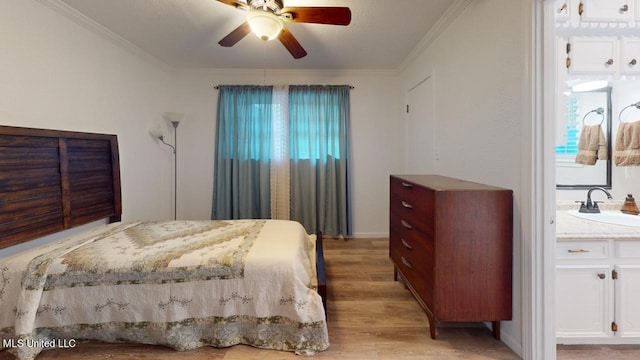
x: 451, y: 242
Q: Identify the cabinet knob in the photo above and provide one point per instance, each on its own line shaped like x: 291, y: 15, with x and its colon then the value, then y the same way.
x: 602, y: 276
x: 609, y: 62
x: 624, y: 8
x: 633, y: 62
x: 563, y: 8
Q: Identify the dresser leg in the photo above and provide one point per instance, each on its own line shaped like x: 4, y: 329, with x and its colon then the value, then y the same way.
x: 395, y: 273
x: 495, y: 325
x: 432, y: 327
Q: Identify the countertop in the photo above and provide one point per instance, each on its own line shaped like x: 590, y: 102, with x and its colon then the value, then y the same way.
x: 569, y: 227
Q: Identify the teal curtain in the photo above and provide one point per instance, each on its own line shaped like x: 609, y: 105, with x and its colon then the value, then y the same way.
x: 319, y: 118
x: 241, y: 187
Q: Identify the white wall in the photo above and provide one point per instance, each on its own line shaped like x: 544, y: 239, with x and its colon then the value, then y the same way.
x: 478, y: 68
x: 376, y: 127
x: 56, y: 74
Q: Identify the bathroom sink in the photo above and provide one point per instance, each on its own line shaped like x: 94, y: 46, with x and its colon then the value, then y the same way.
x: 609, y: 217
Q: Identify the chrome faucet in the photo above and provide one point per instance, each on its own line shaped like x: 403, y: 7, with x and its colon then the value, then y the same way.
x: 592, y: 206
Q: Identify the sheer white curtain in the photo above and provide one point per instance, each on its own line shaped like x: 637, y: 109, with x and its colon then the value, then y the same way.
x: 280, y: 194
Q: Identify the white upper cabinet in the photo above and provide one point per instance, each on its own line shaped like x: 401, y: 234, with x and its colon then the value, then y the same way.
x: 603, y: 55
x: 630, y: 55
x: 606, y: 10
x: 592, y: 55
x: 616, y: 14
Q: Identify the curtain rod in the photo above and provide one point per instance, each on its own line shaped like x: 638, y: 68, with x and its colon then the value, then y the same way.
x: 350, y: 87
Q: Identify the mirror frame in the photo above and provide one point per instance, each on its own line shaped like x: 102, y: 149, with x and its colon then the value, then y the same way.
x: 608, y: 136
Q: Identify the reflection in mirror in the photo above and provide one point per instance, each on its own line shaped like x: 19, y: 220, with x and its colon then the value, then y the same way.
x: 583, y: 114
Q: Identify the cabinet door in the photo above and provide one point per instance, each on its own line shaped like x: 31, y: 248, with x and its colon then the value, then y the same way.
x: 607, y: 10
x: 593, y: 54
x: 627, y: 293
x: 584, y: 302
x: 630, y: 55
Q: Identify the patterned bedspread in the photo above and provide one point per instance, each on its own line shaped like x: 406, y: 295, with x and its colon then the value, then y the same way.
x: 184, y: 284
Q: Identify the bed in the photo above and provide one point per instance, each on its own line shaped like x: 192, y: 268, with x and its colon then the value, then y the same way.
x: 183, y: 284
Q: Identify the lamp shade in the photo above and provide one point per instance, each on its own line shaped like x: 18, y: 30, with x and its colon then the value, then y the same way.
x: 173, y: 116
x: 264, y: 24
x: 155, y: 131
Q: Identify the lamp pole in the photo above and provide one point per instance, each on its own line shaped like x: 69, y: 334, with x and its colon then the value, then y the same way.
x: 174, y: 119
x: 175, y: 124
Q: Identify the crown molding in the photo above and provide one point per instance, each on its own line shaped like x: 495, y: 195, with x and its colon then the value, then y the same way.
x: 89, y: 24
x: 449, y: 15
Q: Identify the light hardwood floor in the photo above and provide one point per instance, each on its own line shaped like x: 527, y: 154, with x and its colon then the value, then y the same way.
x: 370, y: 317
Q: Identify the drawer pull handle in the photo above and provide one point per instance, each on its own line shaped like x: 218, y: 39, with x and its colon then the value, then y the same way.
x: 406, y: 205
x: 407, y: 185
x: 609, y: 62
x: 406, y: 224
x: 624, y: 8
x: 602, y: 276
x: 578, y: 251
x: 633, y: 62
x: 406, y: 244
x: 406, y: 263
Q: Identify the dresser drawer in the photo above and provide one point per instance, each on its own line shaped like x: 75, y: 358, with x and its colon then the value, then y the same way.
x: 413, y: 251
x: 409, y: 196
x: 411, y: 218
x: 416, y: 279
x: 411, y: 225
x: 416, y: 252
x: 582, y: 250
x: 410, y: 236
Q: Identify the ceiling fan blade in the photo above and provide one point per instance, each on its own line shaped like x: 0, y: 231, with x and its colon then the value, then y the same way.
x: 289, y: 41
x: 236, y: 4
x: 236, y: 35
x: 317, y: 15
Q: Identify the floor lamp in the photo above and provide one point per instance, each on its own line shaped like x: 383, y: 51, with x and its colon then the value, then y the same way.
x: 174, y: 120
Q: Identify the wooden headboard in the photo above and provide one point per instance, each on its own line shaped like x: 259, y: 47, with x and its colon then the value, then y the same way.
x: 55, y: 180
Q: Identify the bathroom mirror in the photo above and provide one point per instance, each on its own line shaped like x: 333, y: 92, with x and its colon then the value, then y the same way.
x: 575, y: 111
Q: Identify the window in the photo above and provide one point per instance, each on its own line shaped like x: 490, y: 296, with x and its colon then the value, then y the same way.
x: 297, y: 147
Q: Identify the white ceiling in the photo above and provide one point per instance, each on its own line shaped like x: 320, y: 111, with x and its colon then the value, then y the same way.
x: 184, y: 34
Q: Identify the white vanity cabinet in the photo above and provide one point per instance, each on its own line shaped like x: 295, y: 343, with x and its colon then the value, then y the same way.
x: 627, y: 290
x: 598, y: 291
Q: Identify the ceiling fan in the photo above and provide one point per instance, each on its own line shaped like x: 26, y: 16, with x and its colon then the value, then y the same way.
x: 266, y: 19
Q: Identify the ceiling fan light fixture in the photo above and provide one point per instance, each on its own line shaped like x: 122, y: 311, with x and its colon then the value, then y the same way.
x: 264, y: 24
